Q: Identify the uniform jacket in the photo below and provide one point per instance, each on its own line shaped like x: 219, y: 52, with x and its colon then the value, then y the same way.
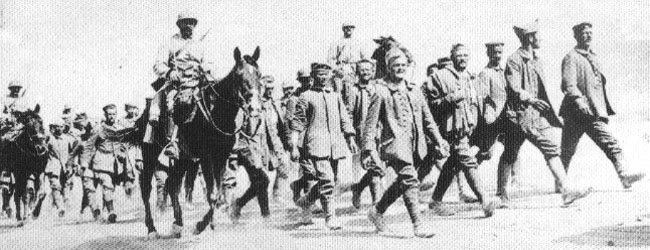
x: 358, y: 103
x: 346, y: 51
x: 522, y: 70
x: 395, y: 142
x: 103, y: 153
x: 492, y: 96
x: 184, y: 55
x: 455, y: 118
x: 580, y: 80
x: 59, y: 151
x: 323, y: 117
x: 255, y: 144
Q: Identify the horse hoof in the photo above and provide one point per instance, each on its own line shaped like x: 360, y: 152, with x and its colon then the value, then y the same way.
x: 200, y: 227
x: 177, y: 231
x: 153, y: 235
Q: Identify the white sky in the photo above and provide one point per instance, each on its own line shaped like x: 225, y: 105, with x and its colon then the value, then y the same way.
x: 90, y: 53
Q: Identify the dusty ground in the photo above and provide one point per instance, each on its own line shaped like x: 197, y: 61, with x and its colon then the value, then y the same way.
x: 606, y: 218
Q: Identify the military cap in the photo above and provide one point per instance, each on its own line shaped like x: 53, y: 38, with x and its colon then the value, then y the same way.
x: 457, y: 47
x: 302, y: 73
x: 268, y: 78
x: 186, y: 16
x: 348, y: 24
x: 444, y: 60
x: 581, y: 26
x: 528, y: 28
x: 494, y: 45
x: 371, y: 61
x: 393, y: 54
x: 81, y: 117
x: 15, y: 84
x: 109, y: 106
x: 320, y: 66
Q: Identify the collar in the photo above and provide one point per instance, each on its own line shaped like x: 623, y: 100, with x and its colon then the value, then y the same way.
x: 180, y: 37
x: 400, y: 87
x: 363, y: 86
x: 457, y: 74
x: 584, y: 51
x: 496, y: 67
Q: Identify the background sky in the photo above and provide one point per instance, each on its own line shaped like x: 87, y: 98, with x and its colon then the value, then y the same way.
x: 90, y: 53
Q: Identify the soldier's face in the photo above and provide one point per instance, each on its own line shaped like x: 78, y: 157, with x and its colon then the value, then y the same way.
x: 268, y: 92
x: 366, y: 71
x: 347, y: 31
x: 321, y: 77
x: 460, y: 58
x: 186, y: 27
x: 132, y: 112
x: 110, y: 115
x: 495, y: 55
x: 534, y: 40
x: 14, y: 91
x: 56, y: 130
x: 585, y: 36
x: 398, y: 68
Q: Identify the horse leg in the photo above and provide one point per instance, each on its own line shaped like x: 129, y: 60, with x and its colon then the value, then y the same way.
x: 209, y: 177
x: 174, y: 187
x: 145, y: 192
x: 19, y: 194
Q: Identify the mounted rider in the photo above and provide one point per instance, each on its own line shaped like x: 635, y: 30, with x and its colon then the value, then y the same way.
x: 181, y: 68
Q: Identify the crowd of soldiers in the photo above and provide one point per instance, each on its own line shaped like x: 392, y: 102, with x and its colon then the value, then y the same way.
x: 450, y: 122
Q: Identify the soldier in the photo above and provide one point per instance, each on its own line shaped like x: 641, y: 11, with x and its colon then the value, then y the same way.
x: 405, y: 120
x: 491, y: 88
x: 307, y: 177
x: 275, y: 129
x: 444, y: 62
x: 346, y: 52
x: 431, y: 68
x: 57, y: 173
x: 182, y: 66
x: 106, y: 157
x: 322, y: 115
x: 358, y: 104
x: 530, y: 114
x: 134, y: 151
x: 457, y: 103
x: 260, y: 150
x: 81, y: 131
x: 12, y: 103
x: 586, y: 108
x: 287, y: 91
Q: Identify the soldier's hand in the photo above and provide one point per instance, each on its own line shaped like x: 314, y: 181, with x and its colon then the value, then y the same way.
x: 443, y: 150
x: 175, y: 75
x: 539, y: 104
x: 583, y: 107
x: 295, y: 154
x: 457, y: 96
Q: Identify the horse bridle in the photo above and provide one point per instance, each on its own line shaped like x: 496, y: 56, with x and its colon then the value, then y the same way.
x: 204, y: 107
x: 31, y: 141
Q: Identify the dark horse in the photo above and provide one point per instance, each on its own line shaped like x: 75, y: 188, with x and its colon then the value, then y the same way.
x: 25, y: 156
x: 385, y: 44
x: 209, y: 136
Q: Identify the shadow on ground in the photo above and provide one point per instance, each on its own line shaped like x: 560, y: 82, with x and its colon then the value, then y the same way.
x: 618, y: 235
x: 131, y: 242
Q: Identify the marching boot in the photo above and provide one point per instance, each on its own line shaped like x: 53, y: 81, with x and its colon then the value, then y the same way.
x: 377, y: 219
x: 474, y: 182
x: 305, y: 214
x: 358, y: 188
x: 235, y: 211
x: 410, y: 197
x: 112, y: 217
x: 375, y: 189
x: 627, y: 178
x: 569, y: 195
x: 331, y: 221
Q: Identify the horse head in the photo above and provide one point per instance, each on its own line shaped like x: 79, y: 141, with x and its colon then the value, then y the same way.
x: 247, y: 77
x: 33, y: 132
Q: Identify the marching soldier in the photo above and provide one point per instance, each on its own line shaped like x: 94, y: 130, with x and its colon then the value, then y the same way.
x: 106, y: 157
x: 405, y: 120
x: 134, y: 151
x: 586, y: 108
x: 287, y: 91
x: 530, y: 114
x: 307, y: 177
x: 57, y: 173
x: 275, y: 129
x: 358, y: 105
x: 323, y: 117
x: 260, y: 150
x: 456, y: 103
x: 491, y: 88
x: 346, y: 52
x: 84, y: 130
x: 182, y: 66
